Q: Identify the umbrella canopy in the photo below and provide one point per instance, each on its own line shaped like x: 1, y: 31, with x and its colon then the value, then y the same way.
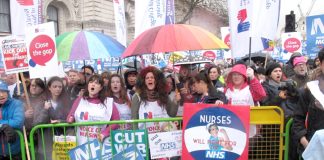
x: 190, y: 59
x: 83, y: 45
x: 173, y: 37
x: 258, y: 56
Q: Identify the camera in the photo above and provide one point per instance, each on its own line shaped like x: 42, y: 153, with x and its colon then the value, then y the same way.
x: 290, y: 86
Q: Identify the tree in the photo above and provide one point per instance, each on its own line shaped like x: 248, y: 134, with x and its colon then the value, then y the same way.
x: 218, y: 7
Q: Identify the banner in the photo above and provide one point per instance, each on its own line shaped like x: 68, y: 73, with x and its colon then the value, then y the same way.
x: 265, y: 18
x: 291, y: 43
x: 24, y: 13
x: 152, y: 13
x: 245, y: 24
x: 215, y: 132
x: 165, y: 144
x: 42, y: 57
x: 122, y: 139
x: 315, y: 34
x: 14, y: 54
x: 120, y: 22
x: 100, y: 65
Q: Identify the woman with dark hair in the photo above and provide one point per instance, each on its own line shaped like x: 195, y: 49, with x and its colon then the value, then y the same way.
x: 58, y: 103
x: 214, y: 74
x: 117, y: 91
x: 171, y: 85
x: 55, y: 107
x: 151, y: 99
x: 106, y: 76
x: 130, y: 77
x: 37, y: 99
x: 93, y: 106
x: 207, y: 93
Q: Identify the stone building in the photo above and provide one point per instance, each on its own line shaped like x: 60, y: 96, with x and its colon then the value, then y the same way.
x: 98, y: 15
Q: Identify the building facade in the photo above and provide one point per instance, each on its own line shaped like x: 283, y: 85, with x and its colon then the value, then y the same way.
x: 98, y: 15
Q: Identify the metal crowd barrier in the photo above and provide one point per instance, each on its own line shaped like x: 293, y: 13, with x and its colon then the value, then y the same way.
x: 287, y: 136
x: 267, y: 144
x: 22, y: 147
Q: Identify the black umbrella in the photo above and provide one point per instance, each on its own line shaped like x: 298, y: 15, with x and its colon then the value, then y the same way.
x: 257, y: 57
x: 131, y: 64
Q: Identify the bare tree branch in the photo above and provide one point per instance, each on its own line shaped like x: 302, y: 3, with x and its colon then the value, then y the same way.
x: 192, y: 5
x: 218, y: 7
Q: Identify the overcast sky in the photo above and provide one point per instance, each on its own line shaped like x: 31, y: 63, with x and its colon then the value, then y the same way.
x: 288, y: 5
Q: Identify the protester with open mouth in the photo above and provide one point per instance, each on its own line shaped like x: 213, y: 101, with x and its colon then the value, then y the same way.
x: 282, y: 93
x: 151, y: 99
x: 117, y: 91
x: 279, y: 93
x: 93, y: 106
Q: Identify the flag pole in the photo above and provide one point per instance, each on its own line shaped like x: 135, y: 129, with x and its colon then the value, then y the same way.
x: 250, y: 44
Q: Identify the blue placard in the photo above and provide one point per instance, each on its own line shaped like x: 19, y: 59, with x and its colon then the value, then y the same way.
x: 315, y: 34
x: 130, y: 153
x: 93, y: 150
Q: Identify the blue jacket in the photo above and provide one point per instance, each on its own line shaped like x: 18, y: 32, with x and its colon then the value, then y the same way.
x: 13, y: 115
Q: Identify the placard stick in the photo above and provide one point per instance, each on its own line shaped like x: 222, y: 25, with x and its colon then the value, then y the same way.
x: 18, y: 85
x: 25, y: 91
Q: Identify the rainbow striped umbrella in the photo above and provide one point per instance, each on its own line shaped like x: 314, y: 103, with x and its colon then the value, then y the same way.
x: 82, y: 45
x: 173, y: 37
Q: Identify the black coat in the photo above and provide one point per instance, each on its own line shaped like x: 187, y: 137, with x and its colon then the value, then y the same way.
x: 306, y: 105
x: 288, y: 105
x: 213, y: 96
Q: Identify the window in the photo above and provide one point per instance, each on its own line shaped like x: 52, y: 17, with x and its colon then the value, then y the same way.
x: 52, y: 13
x: 4, y: 16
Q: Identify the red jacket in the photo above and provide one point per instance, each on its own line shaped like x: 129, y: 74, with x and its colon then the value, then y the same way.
x: 256, y: 88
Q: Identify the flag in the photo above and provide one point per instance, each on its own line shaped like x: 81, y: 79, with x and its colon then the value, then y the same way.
x: 120, y: 22
x: 265, y: 18
x: 248, y: 19
x: 24, y: 13
x: 152, y: 13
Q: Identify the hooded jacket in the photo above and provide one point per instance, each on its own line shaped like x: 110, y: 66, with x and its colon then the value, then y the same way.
x: 13, y: 115
x: 256, y: 88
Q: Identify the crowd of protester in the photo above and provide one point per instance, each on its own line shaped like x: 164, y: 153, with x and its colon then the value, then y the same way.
x: 83, y: 96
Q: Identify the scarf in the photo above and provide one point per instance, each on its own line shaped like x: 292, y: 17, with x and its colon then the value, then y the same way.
x: 152, y: 95
x: 274, y: 83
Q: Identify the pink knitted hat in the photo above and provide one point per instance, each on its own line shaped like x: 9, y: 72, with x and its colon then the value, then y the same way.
x: 297, y: 60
